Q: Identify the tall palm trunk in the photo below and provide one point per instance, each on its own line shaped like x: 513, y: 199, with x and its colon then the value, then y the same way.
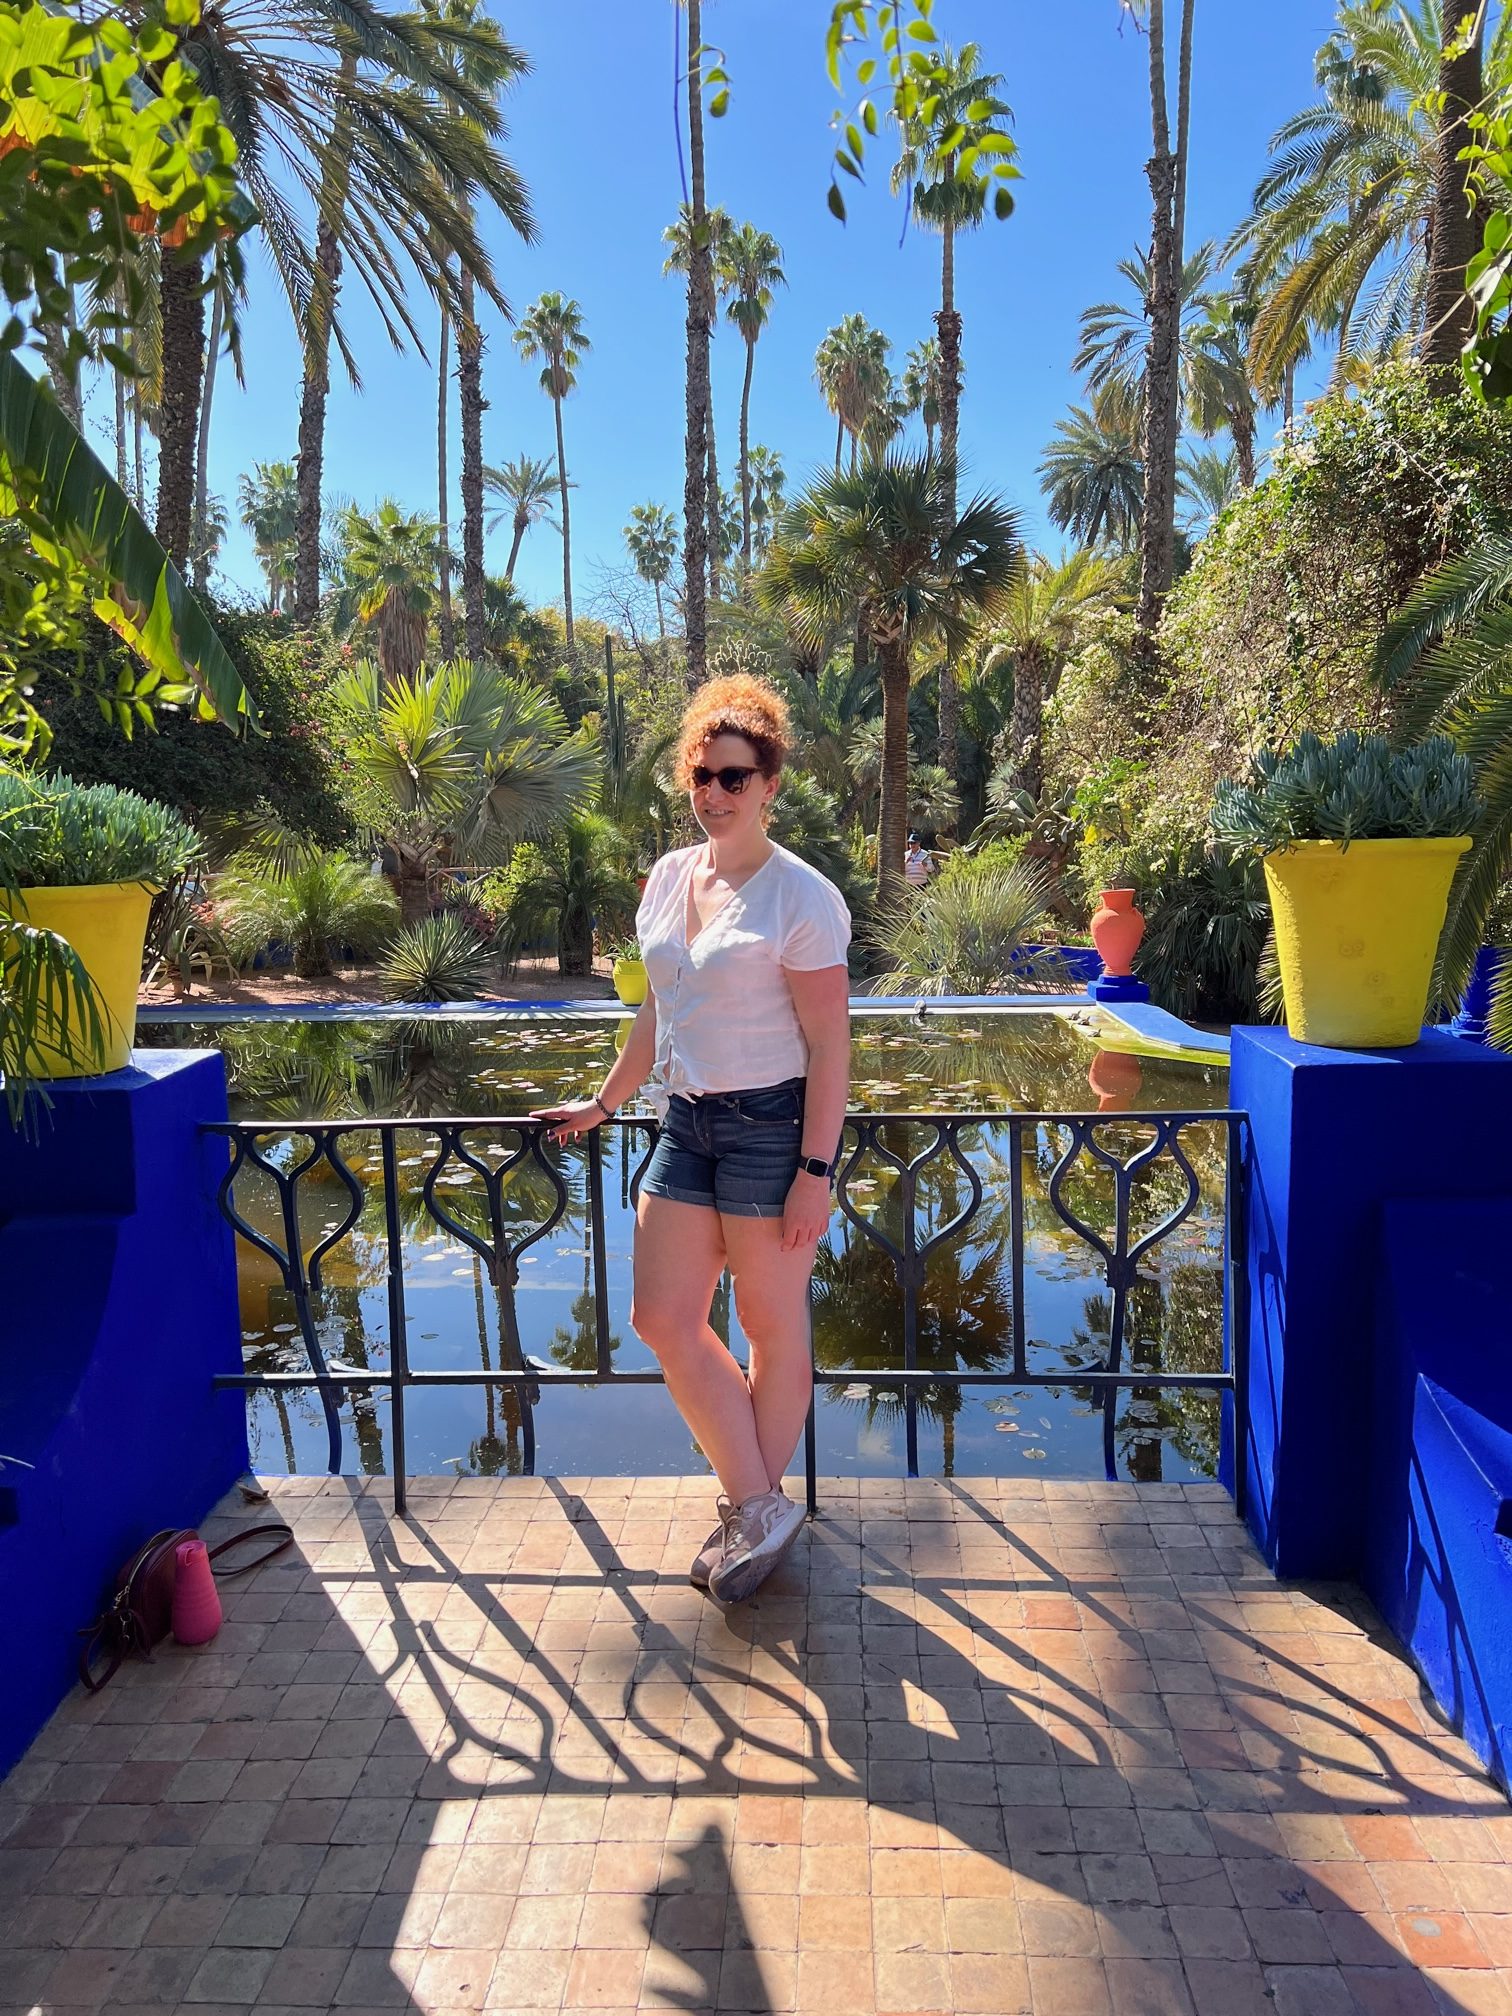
x: 202, y: 457
x: 712, y: 506
x: 1288, y: 396
x: 699, y: 329
x: 1455, y: 230
x: 948, y: 322
x: 1026, y: 719
x: 66, y: 389
x: 183, y: 307
x: 521, y: 527
x: 1242, y: 428
x: 118, y: 384
x: 892, y: 815
x: 443, y: 487
x: 470, y: 388
x: 1158, y: 440
x: 839, y: 439
x: 745, y: 455
x: 1178, y: 215
x: 566, y: 510
x: 661, y: 621
x: 139, y: 480
x: 310, y: 467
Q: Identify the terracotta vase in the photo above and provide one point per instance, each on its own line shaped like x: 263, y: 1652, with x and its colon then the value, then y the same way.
x: 1116, y: 1078
x: 1117, y: 928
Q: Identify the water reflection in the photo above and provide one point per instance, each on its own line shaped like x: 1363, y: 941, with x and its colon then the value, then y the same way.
x: 459, y: 1316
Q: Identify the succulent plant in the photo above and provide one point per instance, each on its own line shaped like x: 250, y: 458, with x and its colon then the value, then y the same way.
x: 440, y: 958
x: 1356, y: 787
x: 55, y: 833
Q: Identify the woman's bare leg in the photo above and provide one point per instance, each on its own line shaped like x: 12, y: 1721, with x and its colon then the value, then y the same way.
x: 772, y: 1302
x: 679, y: 1256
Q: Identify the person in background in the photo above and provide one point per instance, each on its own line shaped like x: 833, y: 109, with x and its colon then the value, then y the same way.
x: 745, y: 1033
x: 918, y: 863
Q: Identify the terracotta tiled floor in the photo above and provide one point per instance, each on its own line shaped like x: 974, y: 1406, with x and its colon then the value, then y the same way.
x: 980, y: 1747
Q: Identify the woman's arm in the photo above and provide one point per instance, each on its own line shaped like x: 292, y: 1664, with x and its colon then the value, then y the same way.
x: 821, y: 1000
x: 628, y: 1073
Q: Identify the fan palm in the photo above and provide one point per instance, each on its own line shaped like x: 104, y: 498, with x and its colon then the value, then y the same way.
x: 768, y: 482
x: 465, y: 761
x: 526, y: 486
x: 1339, y: 235
x: 921, y: 386
x: 269, y: 501
x: 1092, y: 472
x: 885, y: 542
x: 651, y: 537
x: 1037, y: 627
x: 552, y: 329
x: 749, y: 266
x: 1449, y: 654
x: 855, y: 377
x: 389, y: 565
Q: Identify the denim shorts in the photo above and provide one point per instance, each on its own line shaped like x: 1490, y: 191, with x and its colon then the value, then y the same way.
x: 733, y: 1152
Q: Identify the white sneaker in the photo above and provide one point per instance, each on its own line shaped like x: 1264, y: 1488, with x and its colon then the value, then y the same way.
x: 709, y: 1556
x: 757, y: 1536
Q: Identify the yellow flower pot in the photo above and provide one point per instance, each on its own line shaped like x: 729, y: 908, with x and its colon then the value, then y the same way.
x: 107, y: 926
x: 1357, y: 931
x: 630, y: 981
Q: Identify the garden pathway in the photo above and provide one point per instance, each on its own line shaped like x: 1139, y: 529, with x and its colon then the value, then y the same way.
x: 981, y: 1746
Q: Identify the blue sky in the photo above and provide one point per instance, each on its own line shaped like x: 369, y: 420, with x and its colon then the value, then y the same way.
x: 591, y: 129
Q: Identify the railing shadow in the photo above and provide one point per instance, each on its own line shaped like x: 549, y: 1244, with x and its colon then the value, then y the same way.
x: 981, y: 1755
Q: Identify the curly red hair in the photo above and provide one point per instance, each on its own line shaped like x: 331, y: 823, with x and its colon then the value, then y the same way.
x: 741, y: 704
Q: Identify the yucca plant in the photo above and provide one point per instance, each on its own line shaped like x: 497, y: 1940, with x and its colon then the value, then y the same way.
x: 55, y: 833
x: 966, y: 932
x: 314, y: 904
x: 441, y: 958
x: 1356, y: 787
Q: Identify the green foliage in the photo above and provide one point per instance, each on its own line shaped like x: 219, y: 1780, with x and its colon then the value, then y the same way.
x: 1207, y: 917
x: 316, y: 903
x: 806, y: 820
x: 55, y: 833
x: 439, y: 958
x: 961, y: 933
x: 575, y: 878
x: 295, y: 769
x: 43, y: 986
x: 1354, y: 788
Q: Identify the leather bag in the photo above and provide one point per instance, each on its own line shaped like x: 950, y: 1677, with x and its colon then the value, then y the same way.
x: 140, y: 1612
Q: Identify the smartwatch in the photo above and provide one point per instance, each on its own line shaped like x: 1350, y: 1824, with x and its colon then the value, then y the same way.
x: 815, y: 1165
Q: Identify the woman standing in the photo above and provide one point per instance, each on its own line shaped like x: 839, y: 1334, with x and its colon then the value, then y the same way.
x: 745, y: 1032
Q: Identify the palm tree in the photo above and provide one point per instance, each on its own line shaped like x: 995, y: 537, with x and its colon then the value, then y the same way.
x: 579, y: 876
x: 854, y: 376
x: 316, y: 902
x: 749, y: 267
x: 389, y: 566
x: 700, y: 472
x: 719, y: 226
x: 552, y: 329
x: 1115, y: 334
x: 269, y: 502
x: 1215, y: 371
x: 1209, y: 479
x: 768, y: 482
x: 469, y: 760
x: 921, y: 386
x: 884, y: 540
x: 1340, y: 233
x: 526, y: 485
x: 651, y: 537
x: 346, y: 123
x: 1038, y: 626
x: 1092, y: 472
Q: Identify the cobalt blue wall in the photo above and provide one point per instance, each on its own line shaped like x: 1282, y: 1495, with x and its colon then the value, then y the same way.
x: 1334, y: 1134
x: 119, y: 1307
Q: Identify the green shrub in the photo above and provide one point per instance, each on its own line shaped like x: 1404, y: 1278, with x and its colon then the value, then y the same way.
x: 441, y: 958
x: 295, y: 766
x: 315, y: 904
x: 965, y: 933
x: 1356, y: 787
x: 55, y: 833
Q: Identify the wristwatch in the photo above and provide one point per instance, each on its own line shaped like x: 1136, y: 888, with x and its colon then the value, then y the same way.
x: 815, y: 1165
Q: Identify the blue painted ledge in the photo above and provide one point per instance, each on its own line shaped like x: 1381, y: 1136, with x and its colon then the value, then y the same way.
x: 120, y: 1307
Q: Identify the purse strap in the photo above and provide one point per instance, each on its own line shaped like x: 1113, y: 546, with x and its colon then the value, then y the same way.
x: 118, y: 1631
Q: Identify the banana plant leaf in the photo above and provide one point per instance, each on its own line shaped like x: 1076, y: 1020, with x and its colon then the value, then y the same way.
x: 73, y: 509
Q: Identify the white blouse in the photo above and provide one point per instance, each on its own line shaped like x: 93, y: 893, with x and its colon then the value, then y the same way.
x: 725, y: 1020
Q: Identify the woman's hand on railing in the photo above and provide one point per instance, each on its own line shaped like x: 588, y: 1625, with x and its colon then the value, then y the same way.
x: 578, y: 1116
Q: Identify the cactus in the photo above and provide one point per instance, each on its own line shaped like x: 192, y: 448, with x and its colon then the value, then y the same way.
x: 1356, y: 787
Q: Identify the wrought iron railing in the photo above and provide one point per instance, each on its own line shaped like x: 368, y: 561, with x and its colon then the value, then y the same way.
x: 1127, y: 1148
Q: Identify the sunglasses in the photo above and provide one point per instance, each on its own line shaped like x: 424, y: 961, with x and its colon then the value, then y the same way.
x: 732, y: 779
